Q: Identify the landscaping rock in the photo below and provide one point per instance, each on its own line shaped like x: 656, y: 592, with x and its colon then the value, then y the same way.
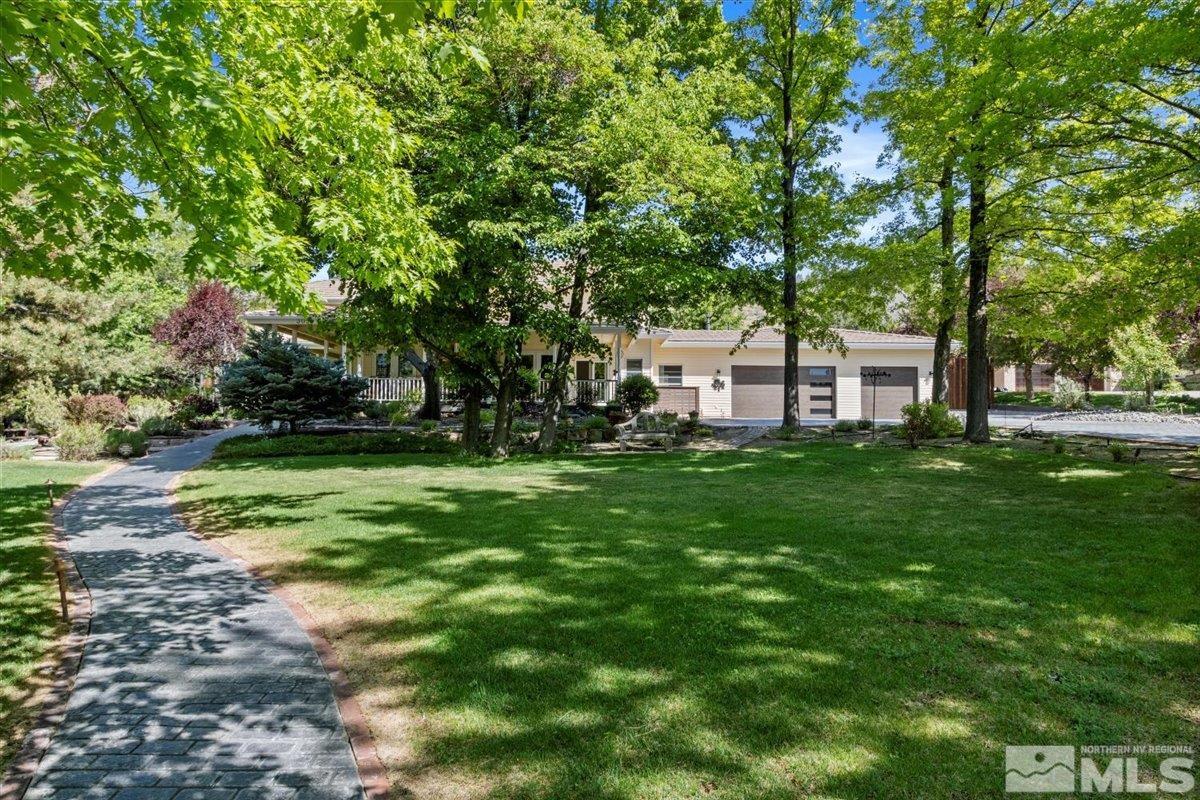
x: 1108, y: 415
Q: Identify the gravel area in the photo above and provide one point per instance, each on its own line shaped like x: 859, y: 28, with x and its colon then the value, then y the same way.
x: 1105, y: 415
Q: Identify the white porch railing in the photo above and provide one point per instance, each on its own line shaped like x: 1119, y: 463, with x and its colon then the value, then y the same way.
x: 396, y: 389
x: 593, y: 392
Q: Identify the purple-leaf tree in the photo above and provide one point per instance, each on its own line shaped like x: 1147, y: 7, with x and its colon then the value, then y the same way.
x: 205, y: 332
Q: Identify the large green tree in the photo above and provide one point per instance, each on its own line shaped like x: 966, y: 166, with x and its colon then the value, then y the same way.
x: 582, y: 177
x: 652, y: 198
x: 921, y: 65
x: 798, y: 54
x: 78, y: 339
x: 1072, y: 138
x: 204, y: 104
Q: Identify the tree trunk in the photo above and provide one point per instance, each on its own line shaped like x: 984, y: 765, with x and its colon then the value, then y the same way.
x: 941, y: 361
x: 471, y: 424
x: 431, y: 404
x: 562, y: 361
x: 978, y: 256
x: 787, y: 225
x: 791, y: 342
x: 1150, y: 394
x: 432, y: 407
x: 555, y: 395
x: 1028, y: 374
x: 950, y: 283
x: 504, y: 403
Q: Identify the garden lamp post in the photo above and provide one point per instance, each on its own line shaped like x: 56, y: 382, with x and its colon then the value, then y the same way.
x: 874, y: 374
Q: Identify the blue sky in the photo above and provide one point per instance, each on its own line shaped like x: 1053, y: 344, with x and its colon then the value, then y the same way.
x: 861, y: 148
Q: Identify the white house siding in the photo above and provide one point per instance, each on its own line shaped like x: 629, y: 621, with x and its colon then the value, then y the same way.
x: 700, y: 366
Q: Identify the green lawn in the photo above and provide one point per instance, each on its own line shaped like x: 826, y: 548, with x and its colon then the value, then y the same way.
x: 1170, y: 403
x: 809, y: 620
x: 28, y: 589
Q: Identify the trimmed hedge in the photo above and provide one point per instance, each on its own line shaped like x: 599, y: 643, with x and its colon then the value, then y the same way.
x: 82, y: 441
x: 307, y: 444
x: 137, y: 441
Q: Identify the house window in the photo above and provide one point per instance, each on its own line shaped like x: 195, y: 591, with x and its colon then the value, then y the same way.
x: 526, y: 362
x: 583, y: 370
x: 670, y: 375
x: 547, y: 361
x: 383, y: 365
x: 633, y: 366
x: 599, y: 370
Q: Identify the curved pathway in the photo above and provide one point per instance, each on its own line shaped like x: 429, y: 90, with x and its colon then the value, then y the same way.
x: 196, y: 681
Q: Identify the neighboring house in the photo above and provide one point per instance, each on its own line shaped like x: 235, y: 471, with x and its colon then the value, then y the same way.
x: 1012, y: 379
x: 694, y: 369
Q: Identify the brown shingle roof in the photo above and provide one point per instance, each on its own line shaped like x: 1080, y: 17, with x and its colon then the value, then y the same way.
x: 770, y: 335
x: 328, y: 291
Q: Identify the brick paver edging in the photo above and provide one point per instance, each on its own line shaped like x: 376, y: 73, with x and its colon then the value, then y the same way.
x: 70, y: 655
x: 362, y: 744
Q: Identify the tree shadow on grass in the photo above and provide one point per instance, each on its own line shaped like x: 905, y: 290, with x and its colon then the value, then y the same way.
x: 763, y: 625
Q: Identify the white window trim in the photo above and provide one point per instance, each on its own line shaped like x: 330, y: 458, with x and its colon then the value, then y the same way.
x: 662, y: 378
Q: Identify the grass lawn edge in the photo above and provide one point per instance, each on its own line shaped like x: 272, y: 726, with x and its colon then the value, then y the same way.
x: 53, y: 678
x: 1074, y: 471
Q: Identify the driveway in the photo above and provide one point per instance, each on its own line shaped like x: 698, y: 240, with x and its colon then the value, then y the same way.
x: 196, y: 682
x: 1169, y: 432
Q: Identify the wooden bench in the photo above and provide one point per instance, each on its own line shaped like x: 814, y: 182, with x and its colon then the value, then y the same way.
x: 646, y: 427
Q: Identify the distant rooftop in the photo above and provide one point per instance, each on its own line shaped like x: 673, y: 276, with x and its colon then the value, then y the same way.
x: 329, y: 292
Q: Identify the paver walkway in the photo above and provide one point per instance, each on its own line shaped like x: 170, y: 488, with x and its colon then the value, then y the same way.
x: 196, y: 682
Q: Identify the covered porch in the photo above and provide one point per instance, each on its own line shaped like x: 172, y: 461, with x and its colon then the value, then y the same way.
x: 391, y: 377
x: 579, y: 392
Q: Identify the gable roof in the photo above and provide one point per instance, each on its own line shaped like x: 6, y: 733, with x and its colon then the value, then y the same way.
x: 329, y: 292
x: 769, y: 336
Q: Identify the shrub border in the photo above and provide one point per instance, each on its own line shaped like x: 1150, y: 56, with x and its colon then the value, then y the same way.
x: 371, y: 773
x: 64, y: 657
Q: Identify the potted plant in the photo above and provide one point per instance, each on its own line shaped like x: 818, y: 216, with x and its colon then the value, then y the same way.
x: 594, y: 427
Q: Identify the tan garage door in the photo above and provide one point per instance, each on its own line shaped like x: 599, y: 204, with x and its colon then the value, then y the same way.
x: 894, y: 387
x: 758, y: 392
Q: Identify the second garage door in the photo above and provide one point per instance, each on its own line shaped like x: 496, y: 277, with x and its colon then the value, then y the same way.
x: 894, y: 388
x: 758, y: 392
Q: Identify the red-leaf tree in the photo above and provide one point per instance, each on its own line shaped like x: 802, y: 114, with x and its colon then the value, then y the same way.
x: 205, y: 332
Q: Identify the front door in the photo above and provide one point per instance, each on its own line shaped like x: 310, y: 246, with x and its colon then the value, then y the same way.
x: 818, y: 392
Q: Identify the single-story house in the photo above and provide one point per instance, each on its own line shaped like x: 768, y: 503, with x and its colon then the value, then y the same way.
x: 701, y: 370
x: 1011, y: 378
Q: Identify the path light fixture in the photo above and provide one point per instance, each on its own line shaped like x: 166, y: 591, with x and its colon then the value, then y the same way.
x: 874, y: 374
